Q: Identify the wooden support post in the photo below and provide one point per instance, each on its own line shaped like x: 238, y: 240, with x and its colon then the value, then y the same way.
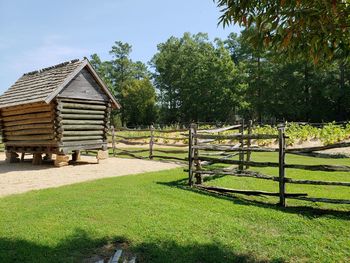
x: 241, y: 153
x: 76, y: 156
x: 11, y: 157
x: 37, y: 159
x: 249, y: 142
x: 191, y: 153
x: 151, y: 142
x: 281, y: 168
x: 113, y: 140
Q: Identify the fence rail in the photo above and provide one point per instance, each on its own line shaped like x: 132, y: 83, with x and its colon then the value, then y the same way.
x: 244, y: 148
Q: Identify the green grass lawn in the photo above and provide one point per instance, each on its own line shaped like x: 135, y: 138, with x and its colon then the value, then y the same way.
x: 162, y: 220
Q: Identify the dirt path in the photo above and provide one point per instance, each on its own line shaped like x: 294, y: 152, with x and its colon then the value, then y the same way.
x: 23, y: 177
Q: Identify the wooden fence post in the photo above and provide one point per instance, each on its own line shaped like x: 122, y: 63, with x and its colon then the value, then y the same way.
x: 191, y: 153
x: 151, y: 142
x: 281, y: 161
x: 241, y: 153
x: 113, y: 140
x: 249, y: 142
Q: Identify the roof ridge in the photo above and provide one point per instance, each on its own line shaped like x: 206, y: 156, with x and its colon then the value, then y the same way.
x: 52, y: 67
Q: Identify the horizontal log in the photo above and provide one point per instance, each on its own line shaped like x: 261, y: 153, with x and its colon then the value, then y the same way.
x: 169, y: 151
x: 30, y: 121
x: 322, y: 200
x: 132, y: 137
x: 79, y: 111
x: 82, y: 116
x: 28, y: 126
x: 235, y: 148
x: 236, y: 136
x: 314, y: 182
x: 81, y: 138
x: 326, y: 168
x: 250, y: 163
x: 246, y: 192
x: 82, y: 133
x: 170, y: 157
x: 37, y: 109
x: 25, y: 106
x: 81, y: 143
x: 170, y: 131
x: 30, y: 138
x: 29, y: 132
x: 170, y: 138
x: 83, y: 127
x: 132, y: 143
x: 83, y: 122
x: 155, y: 130
x: 83, y: 101
x: 319, y: 148
x: 237, y: 173
x: 28, y: 116
x: 171, y: 145
x: 70, y: 105
x: 31, y: 143
x: 233, y: 127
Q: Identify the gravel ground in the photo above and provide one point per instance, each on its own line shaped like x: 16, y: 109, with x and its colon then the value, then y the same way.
x: 23, y: 177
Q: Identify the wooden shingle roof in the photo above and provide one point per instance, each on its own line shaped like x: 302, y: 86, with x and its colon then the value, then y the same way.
x: 43, y: 85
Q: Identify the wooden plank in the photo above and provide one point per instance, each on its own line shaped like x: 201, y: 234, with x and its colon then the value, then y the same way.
x: 29, y: 121
x: 83, y: 122
x: 37, y: 109
x: 249, y: 143
x: 79, y: 111
x: 30, y: 137
x: 237, y: 136
x: 245, y: 192
x: 170, y: 151
x: 82, y: 116
x: 25, y: 106
x: 29, y: 132
x: 132, y: 137
x: 241, y: 142
x: 151, y: 142
x: 237, y: 173
x: 83, y: 101
x: 82, y: 127
x: 82, y: 133
x: 171, y: 145
x: 132, y: 151
x: 28, y: 126
x: 83, y: 143
x: 318, y: 148
x: 32, y: 143
x: 71, y: 105
x: 232, y: 127
x: 83, y: 86
x: 323, y: 200
x: 81, y: 138
x: 234, y: 148
x: 314, y: 182
x: 28, y: 116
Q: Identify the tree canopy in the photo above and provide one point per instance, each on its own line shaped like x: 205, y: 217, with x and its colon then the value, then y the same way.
x: 310, y: 28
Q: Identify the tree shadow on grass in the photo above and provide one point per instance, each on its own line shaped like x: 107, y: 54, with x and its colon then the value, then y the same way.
x: 307, y: 211
x: 82, y: 247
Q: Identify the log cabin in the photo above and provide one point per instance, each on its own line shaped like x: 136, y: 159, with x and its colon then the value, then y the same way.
x: 59, y: 110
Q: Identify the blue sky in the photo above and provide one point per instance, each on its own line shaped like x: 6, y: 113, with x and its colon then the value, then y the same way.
x: 37, y: 33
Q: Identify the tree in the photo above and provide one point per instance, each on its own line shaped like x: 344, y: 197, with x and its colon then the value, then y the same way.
x: 196, y: 80
x: 139, y: 98
x: 120, y: 74
x: 311, y: 28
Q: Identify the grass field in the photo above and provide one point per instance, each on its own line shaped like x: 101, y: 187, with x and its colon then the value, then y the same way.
x: 162, y: 220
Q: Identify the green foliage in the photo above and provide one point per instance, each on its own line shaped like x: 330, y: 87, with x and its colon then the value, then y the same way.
x: 196, y: 79
x: 309, y: 28
x: 130, y: 83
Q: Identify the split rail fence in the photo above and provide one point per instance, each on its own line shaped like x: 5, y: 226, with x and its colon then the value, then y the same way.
x: 203, y: 153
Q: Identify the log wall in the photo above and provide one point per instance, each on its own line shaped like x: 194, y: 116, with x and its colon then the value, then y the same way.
x: 82, y: 124
x: 29, y: 128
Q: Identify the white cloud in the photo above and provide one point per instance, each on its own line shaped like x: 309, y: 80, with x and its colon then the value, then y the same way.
x: 51, y: 51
